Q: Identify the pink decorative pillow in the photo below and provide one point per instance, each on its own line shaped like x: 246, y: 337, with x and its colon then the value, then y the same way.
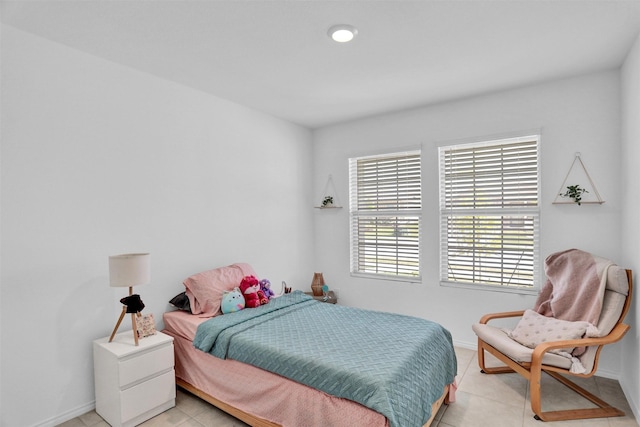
x: 205, y: 289
x: 535, y: 328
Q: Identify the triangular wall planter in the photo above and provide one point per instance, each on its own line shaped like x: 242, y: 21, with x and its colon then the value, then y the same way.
x: 330, y: 191
x: 578, y: 175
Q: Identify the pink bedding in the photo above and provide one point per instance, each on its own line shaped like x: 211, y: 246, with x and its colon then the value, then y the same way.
x: 257, y: 392
x: 182, y: 323
x: 204, y: 289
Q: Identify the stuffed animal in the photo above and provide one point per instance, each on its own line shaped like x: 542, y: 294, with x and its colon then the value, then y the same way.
x: 232, y: 301
x: 263, y: 298
x: 265, y: 287
x: 253, y: 296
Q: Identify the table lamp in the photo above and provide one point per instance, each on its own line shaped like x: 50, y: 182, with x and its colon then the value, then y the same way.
x: 129, y: 270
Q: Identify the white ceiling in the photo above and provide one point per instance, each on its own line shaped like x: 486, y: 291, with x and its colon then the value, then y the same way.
x: 275, y: 56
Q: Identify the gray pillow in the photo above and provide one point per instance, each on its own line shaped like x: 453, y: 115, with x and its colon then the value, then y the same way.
x: 181, y: 302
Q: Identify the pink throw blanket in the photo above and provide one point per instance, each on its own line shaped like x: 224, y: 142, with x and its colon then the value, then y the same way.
x: 575, y: 286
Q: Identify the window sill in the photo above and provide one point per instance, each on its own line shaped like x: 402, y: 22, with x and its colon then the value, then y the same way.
x: 491, y: 288
x: 417, y: 279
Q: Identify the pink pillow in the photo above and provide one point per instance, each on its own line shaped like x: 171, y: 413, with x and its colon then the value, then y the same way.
x: 205, y: 289
x: 534, y: 329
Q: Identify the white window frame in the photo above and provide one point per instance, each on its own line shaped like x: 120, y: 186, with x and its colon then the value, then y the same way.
x: 385, y: 192
x: 489, y: 230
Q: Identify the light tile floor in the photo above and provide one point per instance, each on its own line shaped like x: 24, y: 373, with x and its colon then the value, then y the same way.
x: 481, y: 401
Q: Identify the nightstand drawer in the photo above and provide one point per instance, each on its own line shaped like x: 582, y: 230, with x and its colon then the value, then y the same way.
x: 147, y: 395
x: 145, y: 365
x: 133, y: 382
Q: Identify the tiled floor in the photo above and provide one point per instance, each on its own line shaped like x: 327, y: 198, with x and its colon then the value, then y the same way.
x: 482, y: 401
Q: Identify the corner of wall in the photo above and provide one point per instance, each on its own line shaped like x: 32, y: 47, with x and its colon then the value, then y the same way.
x: 1, y: 110
x: 630, y: 239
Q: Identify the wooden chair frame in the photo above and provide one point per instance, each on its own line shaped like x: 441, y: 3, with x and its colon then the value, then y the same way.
x: 532, y: 371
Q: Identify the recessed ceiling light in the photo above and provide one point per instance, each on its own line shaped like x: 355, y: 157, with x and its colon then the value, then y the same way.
x: 342, y: 33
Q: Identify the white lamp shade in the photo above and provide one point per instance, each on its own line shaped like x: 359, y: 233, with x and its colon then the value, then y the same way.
x: 129, y: 270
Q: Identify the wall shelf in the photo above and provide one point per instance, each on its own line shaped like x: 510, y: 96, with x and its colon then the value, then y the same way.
x: 578, y: 175
x: 330, y: 191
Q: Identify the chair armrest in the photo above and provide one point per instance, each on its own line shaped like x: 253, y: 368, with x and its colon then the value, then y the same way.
x: 501, y: 315
x: 615, y: 335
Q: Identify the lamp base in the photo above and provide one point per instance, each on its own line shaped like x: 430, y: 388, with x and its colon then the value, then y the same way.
x: 134, y: 324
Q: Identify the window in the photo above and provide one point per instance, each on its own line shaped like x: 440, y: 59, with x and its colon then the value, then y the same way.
x: 489, y: 213
x: 385, y: 208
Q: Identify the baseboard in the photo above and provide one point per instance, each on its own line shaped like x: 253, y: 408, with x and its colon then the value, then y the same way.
x: 608, y: 374
x: 632, y: 404
x: 68, y: 415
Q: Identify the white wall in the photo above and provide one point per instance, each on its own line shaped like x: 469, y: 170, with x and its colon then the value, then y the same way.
x: 1, y: 61
x: 99, y: 159
x: 579, y: 114
x: 630, y: 159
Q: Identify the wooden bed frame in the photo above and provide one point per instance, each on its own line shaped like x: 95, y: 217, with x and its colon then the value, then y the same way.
x: 254, y: 421
x: 218, y: 385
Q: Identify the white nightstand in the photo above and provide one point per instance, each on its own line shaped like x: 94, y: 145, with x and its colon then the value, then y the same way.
x: 133, y: 383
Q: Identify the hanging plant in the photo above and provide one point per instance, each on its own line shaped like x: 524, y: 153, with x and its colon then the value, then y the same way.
x: 328, y: 201
x: 574, y: 192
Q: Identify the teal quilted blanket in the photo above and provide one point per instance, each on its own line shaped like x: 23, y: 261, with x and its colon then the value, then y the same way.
x: 396, y: 365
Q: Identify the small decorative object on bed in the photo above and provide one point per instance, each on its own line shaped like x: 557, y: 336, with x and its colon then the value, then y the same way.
x: 285, y: 289
x: 265, y: 287
x: 316, y: 284
x: 361, y: 369
x: 253, y: 296
x: 232, y: 301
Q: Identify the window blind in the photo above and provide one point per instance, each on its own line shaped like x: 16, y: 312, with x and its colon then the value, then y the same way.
x: 489, y: 213
x: 385, y: 199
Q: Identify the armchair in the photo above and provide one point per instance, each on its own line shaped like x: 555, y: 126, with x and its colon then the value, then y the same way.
x: 531, y: 362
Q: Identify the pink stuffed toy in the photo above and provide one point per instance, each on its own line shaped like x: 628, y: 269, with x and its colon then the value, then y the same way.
x: 253, y: 296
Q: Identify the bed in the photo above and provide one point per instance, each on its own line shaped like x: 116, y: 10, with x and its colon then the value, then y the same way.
x: 300, y: 362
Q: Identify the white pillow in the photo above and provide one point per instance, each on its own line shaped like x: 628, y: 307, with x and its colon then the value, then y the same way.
x: 535, y: 328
